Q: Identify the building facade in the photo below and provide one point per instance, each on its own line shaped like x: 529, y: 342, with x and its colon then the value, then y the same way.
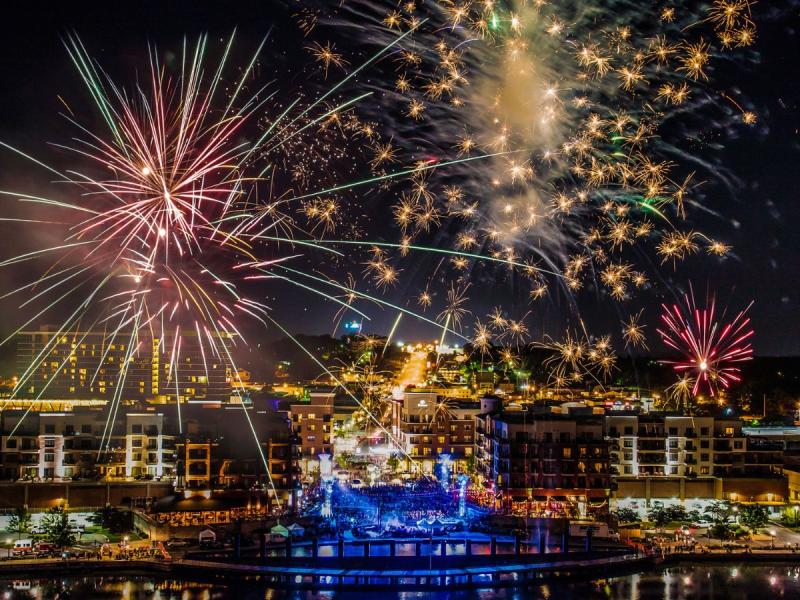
x: 430, y: 426
x: 538, y: 463
x: 312, y: 426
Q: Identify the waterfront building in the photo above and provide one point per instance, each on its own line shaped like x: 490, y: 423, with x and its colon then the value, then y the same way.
x: 536, y: 462
x: 691, y: 460
x: 214, y: 446
x: 80, y: 445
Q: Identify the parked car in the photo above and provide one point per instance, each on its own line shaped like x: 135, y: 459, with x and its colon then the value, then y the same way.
x: 177, y: 543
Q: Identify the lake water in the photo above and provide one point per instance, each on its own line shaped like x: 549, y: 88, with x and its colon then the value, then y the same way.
x: 734, y: 581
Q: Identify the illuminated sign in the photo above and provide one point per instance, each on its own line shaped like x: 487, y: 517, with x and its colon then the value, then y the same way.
x: 352, y: 326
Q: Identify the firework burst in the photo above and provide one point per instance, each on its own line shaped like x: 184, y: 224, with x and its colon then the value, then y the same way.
x: 710, y: 349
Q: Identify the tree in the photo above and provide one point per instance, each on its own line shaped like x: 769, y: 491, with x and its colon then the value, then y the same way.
x: 719, y: 511
x: 393, y: 463
x: 627, y: 515
x: 20, y: 521
x: 113, y: 519
x: 676, y: 512
x: 658, y: 515
x: 56, y: 528
x: 721, y: 530
x: 753, y: 516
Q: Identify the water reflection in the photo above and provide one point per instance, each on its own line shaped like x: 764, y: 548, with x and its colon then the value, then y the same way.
x: 729, y: 582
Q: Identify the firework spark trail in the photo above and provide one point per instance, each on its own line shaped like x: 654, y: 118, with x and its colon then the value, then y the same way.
x: 391, y: 332
x: 710, y: 351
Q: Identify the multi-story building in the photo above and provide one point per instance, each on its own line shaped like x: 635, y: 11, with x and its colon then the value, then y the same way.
x: 83, y: 445
x: 655, y: 445
x: 430, y: 426
x: 87, y: 365
x: 215, y: 446
x: 536, y: 462
x: 690, y: 460
x: 312, y: 424
x: 148, y: 451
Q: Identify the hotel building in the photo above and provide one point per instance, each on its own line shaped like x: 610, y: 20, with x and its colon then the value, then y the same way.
x: 87, y: 365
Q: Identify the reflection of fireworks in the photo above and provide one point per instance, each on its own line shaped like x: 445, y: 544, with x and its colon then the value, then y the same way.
x: 710, y: 351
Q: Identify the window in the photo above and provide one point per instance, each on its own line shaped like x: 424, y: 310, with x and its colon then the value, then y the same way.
x: 628, y: 456
x: 136, y: 442
x: 729, y: 431
x: 50, y: 443
x: 567, y: 453
x: 49, y: 457
x: 738, y: 445
x: 86, y: 428
x: 136, y: 428
x: 11, y: 443
x: 704, y: 457
x: 673, y: 443
x: 704, y: 443
x: 627, y: 444
x: 703, y: 470
x: 628, y: 470
x: 704, y: 431
x: 50, y: 428
x: 673, y: 431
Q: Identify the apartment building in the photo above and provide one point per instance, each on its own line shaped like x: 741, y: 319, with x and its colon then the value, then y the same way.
x: 216, y: 446
x: 83, y: 445
x: 658, y: 445
x: 539, y: 463
x: 691, y: 461
x: 148, y: 451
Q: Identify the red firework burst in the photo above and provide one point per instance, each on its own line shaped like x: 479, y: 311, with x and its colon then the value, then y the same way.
x: 710, y: 350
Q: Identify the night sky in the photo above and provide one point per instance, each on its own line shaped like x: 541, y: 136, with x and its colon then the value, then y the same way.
x: 757, y: 214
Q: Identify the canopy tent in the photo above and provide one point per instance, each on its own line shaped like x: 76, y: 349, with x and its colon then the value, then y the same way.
x: 296, y: 530
x: 427, y: 523
x: 279, y: 530
x: 207, y: 536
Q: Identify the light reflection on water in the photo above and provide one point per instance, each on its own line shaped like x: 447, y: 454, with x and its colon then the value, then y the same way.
x: 734, y: 581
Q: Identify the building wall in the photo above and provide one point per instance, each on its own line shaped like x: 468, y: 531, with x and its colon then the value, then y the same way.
x: 79, y: 494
